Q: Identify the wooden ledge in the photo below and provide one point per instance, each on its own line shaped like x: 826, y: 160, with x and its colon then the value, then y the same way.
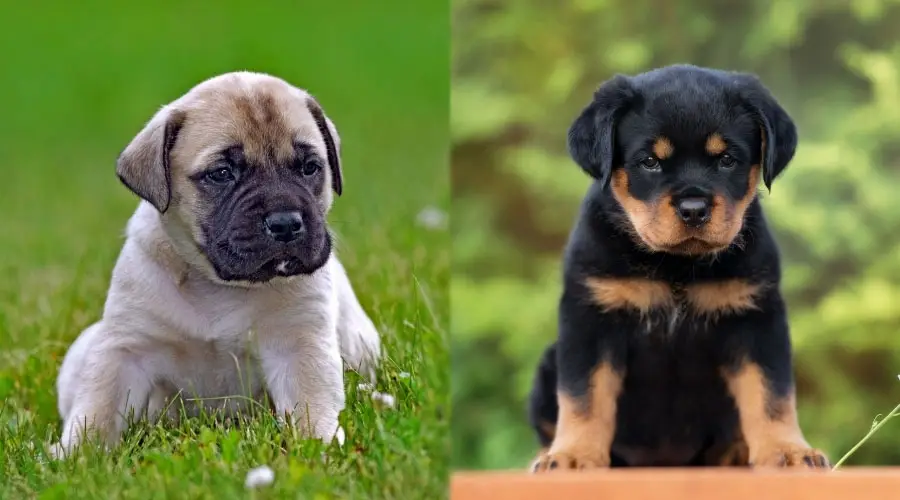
x: 681, y: 484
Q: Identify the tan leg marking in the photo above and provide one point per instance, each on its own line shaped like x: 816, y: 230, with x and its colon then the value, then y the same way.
x: 769, y: 424
x: 586, y: 426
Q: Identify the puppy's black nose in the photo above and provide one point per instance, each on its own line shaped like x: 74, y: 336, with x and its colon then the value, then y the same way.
x: 694, y: 211
x: 284, y: 226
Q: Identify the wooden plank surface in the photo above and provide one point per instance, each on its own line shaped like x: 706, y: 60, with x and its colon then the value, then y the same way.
x: 681, y: 484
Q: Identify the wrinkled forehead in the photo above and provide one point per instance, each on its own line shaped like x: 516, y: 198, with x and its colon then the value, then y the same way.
x: 268, y: 121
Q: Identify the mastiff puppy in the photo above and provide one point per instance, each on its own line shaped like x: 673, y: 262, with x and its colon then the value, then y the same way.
x: 227, y: 289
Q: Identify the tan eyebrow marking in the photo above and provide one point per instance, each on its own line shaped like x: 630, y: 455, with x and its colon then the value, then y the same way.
x: 715, y: 144
x: 663, y: 148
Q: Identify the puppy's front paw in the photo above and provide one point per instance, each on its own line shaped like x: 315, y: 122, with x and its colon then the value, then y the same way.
x: 327, y: 433
x: 569, y: 460
x: 791, y: 455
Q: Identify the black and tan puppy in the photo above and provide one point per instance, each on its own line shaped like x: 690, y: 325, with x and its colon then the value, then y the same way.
x: 673, y: 345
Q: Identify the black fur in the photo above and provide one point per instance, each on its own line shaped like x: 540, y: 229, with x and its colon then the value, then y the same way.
x: 237, y: 244
x: 542, y: 408
x: 591, y: 136
x: 334, y: 164
x: 674, y: 406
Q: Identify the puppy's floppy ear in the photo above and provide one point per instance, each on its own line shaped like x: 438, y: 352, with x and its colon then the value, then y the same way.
x: 779, y: 134
x: 591, y: 139
x: 143, y: 166
x: 332, y: 143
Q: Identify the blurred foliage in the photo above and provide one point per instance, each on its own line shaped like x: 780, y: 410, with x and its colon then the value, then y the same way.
x: 524, y: 69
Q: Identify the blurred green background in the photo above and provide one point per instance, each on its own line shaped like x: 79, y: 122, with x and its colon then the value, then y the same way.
x: 79, y: 80
x: 523, y: 70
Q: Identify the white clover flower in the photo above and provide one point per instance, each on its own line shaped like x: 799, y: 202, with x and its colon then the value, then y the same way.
x: 432, y: 218
x: 259, y: 476
x: 384, y: 399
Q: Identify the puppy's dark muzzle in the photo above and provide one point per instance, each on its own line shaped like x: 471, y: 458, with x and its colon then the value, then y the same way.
x: 285, y: 226
x: 695, y: 211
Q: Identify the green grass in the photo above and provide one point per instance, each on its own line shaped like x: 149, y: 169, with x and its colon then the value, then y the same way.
x: 84, y: 82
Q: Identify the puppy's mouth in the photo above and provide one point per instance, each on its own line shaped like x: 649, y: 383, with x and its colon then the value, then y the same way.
x: 283, y: 267
x: 276, y: 268
x: 264, y: 265
x: 694, y: 242
x: 695, y: 246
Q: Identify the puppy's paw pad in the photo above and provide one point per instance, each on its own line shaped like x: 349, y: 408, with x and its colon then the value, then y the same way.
x: 553, y: 461
x: 794, y: 456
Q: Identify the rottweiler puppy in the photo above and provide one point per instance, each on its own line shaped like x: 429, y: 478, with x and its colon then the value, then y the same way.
x: 673, y: 345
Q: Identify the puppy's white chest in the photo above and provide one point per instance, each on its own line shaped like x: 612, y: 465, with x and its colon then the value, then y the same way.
x: 217, y: 315
x: 215, y: 353
x: 209, y: 369
x: 226, y: 314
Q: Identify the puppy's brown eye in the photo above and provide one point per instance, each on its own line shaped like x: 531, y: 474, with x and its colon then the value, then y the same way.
x: 220, y: 175
x: 726, y: 161
x: 650, y: 163
x: 310, y: 168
